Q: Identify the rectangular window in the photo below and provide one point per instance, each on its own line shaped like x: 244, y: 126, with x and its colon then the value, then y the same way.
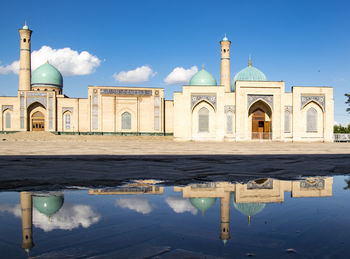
x: 229, y: 123
x: 8, y: 120
x: 156, y: 113
x: 286, y: 122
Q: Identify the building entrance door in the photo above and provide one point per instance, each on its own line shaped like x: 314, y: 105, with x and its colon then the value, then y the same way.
x: 38, y: 122
x: 261, y: 129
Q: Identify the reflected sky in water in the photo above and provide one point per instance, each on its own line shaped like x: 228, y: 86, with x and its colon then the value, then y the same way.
x: 266, y: 218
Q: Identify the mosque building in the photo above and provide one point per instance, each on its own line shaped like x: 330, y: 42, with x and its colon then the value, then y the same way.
x: 247, y: 108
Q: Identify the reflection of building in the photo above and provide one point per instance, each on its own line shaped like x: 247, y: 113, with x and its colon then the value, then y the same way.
x: 138, y: 187
x: 251, y: 198
x: 246, y: 108
x: 47, y: 204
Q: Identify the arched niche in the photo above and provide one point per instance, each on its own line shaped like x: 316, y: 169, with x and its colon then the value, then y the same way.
x: 260, y: 120
x: 203, y: 116
x: 36, y: 114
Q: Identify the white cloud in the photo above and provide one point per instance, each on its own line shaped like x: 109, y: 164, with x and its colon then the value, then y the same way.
x: 180, y: 75
x: 138, y: 75
x: 180, y: 205
x: 12, y: 68
x: 69, y: 62
x: 70, y: 216
x: 336, y: 123
x: 138, y: 204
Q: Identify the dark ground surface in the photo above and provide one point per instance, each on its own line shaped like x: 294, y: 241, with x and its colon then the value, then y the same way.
x: 61, y: 172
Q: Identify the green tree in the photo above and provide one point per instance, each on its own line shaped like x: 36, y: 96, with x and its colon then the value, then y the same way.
x: 348, y: 102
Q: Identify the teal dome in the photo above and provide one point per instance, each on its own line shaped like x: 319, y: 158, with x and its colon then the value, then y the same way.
x: 225, y: 38
x: 48, y: 204
x: 25, y: 27
x: 249, y: 209
x: 47, y: 74
x: 203, y: 77
x: 248, y: 74
x: 203, y: 204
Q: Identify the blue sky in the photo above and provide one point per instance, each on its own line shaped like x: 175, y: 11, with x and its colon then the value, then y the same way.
x: 304, y: 43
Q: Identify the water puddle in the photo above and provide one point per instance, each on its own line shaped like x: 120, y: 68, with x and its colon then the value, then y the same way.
x: 263, y: 218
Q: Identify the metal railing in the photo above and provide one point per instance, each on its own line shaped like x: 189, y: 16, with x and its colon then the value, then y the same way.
x: 341, y: 137
x: 261, y: 135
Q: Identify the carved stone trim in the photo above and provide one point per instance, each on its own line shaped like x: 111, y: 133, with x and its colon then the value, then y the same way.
x: 305, y: 99
x: 252, y: 98
x: 196, y: 98
x: 230, y: 108
x: 94, y: 111
x: 21, y: 101
x: 5, y: 107
x: 288, y: 108
x: 64, y: 109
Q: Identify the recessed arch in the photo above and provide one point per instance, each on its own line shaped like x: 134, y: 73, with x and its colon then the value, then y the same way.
x: 36, y: 114
x: 260, y: 120
x: 260, y: 100
x: 313, y: 101
x: 201, y: 102
x: 126, y: 120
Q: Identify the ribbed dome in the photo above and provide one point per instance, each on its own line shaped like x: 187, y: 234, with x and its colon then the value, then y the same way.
x: 249, y: 209
x: 47, y: 74
x: 48, y: 204
x: 203, y: 77
x: 248, y: 74
x: 203, y: 204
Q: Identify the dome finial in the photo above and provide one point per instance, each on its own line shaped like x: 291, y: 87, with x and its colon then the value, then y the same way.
x: 25, y: 27
x: 250, y: 61
x: 225, y: 38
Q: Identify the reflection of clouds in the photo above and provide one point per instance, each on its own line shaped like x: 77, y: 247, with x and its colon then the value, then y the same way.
x: 67, y: 218
x: 180, y: 205
x: 138, y: 204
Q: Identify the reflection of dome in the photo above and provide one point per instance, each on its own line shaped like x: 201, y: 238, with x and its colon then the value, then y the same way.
x: 249, y: 209
x: 47, y: 74
x: 203, y: 77
x: 48, y: 204
x: 203, y: 204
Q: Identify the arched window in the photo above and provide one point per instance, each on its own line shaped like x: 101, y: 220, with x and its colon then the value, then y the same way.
x: 8, y: 120
x: 287, y: 122
x: 311, y: 120
x: 67, y: 120
x: 229, y: 122
x: 203, y: 120
x: 126, y: 121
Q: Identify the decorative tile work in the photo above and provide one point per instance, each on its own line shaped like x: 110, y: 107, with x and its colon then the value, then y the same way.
x: 253, y: 185
x: 125, y: 92
x: 230, y: 108
x: 305, y: 99
x: 312, y: 184
x: 50, y: 111
x: 36, y: 97
x: 21, y: 98
x: 196, y: 98
x: 253, y: 98
x: 64, y: 109
x: 95, y: 112
x: 5, y: 107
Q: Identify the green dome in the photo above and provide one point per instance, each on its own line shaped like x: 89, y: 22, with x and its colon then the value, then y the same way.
x: 48, y: 204
x: 203, y: 204
x: 249, y: 209
x: 47, y: 74
x: 25, y: 27
x: 203, y: 77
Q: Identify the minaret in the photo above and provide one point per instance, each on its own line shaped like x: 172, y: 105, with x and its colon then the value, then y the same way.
x: 27, y: 212
x: 225, y: 64
x: 225, y: 217
x: 24, y: 60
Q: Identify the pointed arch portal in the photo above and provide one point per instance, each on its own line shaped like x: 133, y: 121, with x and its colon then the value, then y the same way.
x: 261, y: 120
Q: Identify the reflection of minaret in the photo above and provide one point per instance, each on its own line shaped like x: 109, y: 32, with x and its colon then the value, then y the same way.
x: 27, y: 212
x: 225, y: 217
